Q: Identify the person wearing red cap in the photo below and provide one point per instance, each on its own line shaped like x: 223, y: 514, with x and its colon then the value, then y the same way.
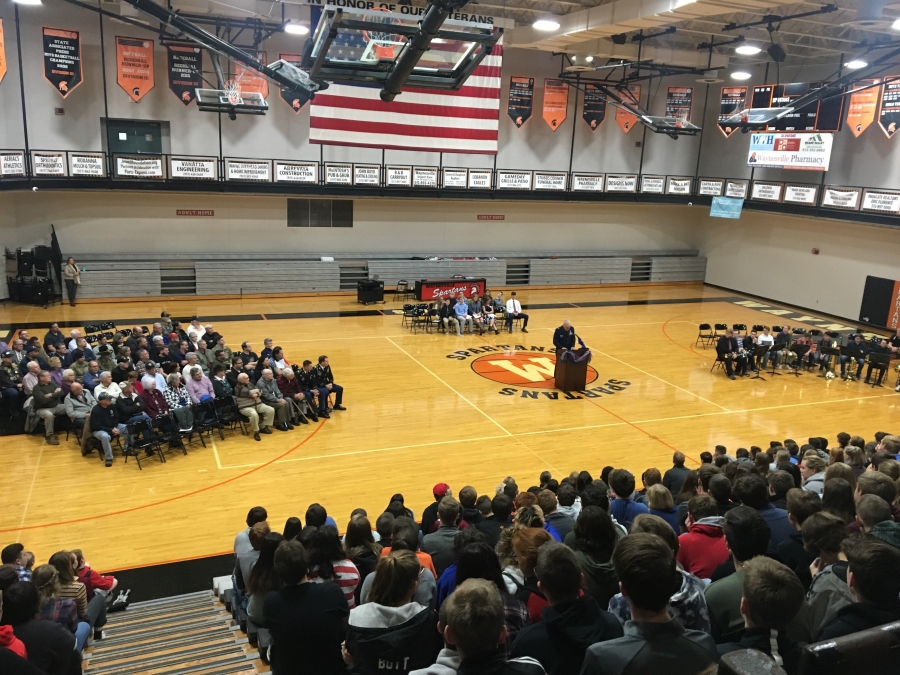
x: 430, y: 514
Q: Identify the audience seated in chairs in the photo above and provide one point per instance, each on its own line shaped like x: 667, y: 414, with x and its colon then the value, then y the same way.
x: 48, y: 404
x: 289, y: 386
x: 271, y: 395
x: 79, y: 404
x: 179, y: 401
x: 199, y: 386
x: 250, y: 405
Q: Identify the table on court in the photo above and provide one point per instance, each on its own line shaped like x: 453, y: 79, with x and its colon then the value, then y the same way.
x: 437, y: 289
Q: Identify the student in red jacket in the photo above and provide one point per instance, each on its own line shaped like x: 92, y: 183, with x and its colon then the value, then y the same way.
x: 92, y: 580
x: 702, y: 548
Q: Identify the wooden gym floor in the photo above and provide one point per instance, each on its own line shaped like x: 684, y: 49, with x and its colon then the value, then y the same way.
x: 422, y: 408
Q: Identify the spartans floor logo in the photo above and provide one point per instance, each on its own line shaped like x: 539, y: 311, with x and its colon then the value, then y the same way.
x: 529, y: 372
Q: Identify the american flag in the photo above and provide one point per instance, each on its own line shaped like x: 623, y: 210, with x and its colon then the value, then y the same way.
x: 418, y: 119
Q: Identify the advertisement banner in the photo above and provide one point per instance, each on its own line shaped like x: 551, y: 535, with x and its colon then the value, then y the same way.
x: 556, y: 102
x: 625, y: 119
x: 521, y: 99
x: 808, y: 152
x: 134, y: 66
x: 726, y: 207
x: 889, y: 108
x: 62, y: 59
x: 862, y: 106
x: 594, y: 110
x: 287, y: 95
x: 184, y: 66
x: 733, y: 101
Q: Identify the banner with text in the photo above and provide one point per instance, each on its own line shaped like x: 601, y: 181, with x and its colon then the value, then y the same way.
x: 625, y: 119
x: 556, y: 102
x: 732, y: 102
x: 679, y: 101
x: 521, y: 99
x: 594, y: 110
x: 287, y: 95
x: 811, y: 152
x: 862, y: 106
x: 889, y: 108
x: 62, y: 59
x: 134, y: 66
x: 184, y: 65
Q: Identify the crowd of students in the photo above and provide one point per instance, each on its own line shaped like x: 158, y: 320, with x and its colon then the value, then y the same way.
x: 769, y: 549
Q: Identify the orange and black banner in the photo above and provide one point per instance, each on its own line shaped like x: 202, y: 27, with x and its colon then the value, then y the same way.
x: 184, y: 65
x: 134, y: 66
x: 252, y: 81
x: 594, y: 110
x: 556, y: 102
x: 733, y: 101
x: 863, y: 104
x: 679, y: 101
x: 889, y: 110
x: 287, y: 95
x: 625, y: 119
x: 2, y: 53
x: 62, y: 59
x: 521, y: 97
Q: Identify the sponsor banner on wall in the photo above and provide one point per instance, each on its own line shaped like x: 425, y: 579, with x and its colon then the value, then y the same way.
x: 726, y: 207
x: 594, y: 110
x: 841, y: 198
x: 62, y: 59
x: 654, y: 185
x: 139, y: 167
x: 679, y: 185
x: 398, y: 176
x: 258, y: 171
x: 287, y: 95
x: 588, y: 182
x: 766, y: 192
x: 889, y: 106
x: 863, y: 104
x: 513, y: 180
x: 480, y: 179
x: 801, y: 194
x: 184, y: 65
x: 881, y: 201
x: 48, y: 163
x: 200, y: 168
x: 2, y: 53
x: 621, y: 182
x: 780, y: 150
x: 425, y: 176
x: 521, y: 99
x: 366, y: 174
x: 732, y: 102
x: 12, y: 164
x: 457, y: 178
x: 679, y: 101
x: 134, y: 66
x: 91, y: 164
x: 550, y: 180
x: 338, y: 174
x: 556, y: 102
x: 296, y: 172
x: 736, y: 189
x: 252, y: 81
x: 625, y: 119
x: 711, y: 187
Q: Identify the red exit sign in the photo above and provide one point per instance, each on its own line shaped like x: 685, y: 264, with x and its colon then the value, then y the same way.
x: 487, y: 216
x: 194, y: 212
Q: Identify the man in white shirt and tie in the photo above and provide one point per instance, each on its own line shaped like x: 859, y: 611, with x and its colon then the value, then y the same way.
x: 513, y: 310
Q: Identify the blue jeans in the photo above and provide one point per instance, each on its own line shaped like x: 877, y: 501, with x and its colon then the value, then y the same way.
x: 82, y: 633
x: 104, y: 439
x: 845, y: 359
x: 137, y: 418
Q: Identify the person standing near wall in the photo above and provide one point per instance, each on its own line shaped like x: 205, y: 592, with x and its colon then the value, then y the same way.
x: 72, y: 277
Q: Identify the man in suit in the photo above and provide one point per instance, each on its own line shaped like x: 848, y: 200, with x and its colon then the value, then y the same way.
x: 727, y: 350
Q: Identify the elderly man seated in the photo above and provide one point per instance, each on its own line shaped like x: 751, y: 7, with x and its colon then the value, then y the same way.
x: 92, y: 377
x: 106, y: 425
x: 272, y: 396
x: 199, y: 386
x: 107, y: 386
x: 48, y: 404
x: 30, y: 380
x: 106, y: 360
x: 132, y: 409
x: 251, y: 407
x: 79, y: 404
x: 290, y: 388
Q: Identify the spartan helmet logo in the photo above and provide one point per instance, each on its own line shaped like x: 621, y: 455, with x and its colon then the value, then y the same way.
x: 64, y: 86
x: 185, y: 96
x: 295, y: 104
x: 136, y: 91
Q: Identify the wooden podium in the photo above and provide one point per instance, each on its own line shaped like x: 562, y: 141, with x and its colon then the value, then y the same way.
x: 571, y: 375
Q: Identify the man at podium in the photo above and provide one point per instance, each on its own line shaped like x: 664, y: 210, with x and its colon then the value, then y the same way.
x: 563, y: 338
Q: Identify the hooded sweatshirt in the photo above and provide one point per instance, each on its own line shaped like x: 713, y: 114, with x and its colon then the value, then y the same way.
x: 828, y: 594
x: 393, y: 640
x: 601, y: 582
x: 703, y: 547
x: 560, y: 640
x: 447, y: 663
x: 688, y: 605
x: 11, y: 642
x: 860, y: 616
x: 888, y: 531
x: 815, y: 483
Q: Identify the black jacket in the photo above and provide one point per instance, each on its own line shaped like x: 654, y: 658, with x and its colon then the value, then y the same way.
x: 564, y: 339
x: 797, y: 558
x: 130, y: 407
x: 726, y: 346
x: 673, y: 479
x: 495, y: 663
x: 429, y: 518
x: 564, y: 633
x: 860, y: 616
x: 760, y: 639
x: 399, y: 648
x: 104, y: 419
x: 222, y: 389
x: 491, y: 529
x: 50, y: 647
x: 11, y: 664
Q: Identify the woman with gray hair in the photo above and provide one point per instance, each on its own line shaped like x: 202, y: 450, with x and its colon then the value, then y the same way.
x: 179, y: 401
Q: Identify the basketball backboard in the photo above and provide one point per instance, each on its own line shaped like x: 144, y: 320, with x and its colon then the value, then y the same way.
x: 753, y: 117
x: 231, y: 101
x: 677, y: 126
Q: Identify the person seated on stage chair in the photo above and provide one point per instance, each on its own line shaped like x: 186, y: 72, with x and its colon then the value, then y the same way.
x: 220, y: 383
x: 461, y: 310
x: 248, y: 355
x: 79, y: 404
x: 860, y: 346
x: 10, y: 380
x: 564, y: 336
x: 48, y: 404
x: 498, y: 302
x: 271, y: 395
x: 727, y: 351
x: 782, y: 342
x: 490, y: 318
x: 289, y: 385
x: 748, y: 343
x: 476, y: 311
x: 326, y: 380
x: 514, y: 311
x: 179, y: 401
x: 199, y: 387
x: 30, y: 378
x: 881, y: 348
x: 308, y: 380
x: 765, y: 339
x: 447, y: 316
x: 250, y: 406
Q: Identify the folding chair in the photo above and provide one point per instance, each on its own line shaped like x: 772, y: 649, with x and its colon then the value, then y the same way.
x: 167, y: 428
x: 706, y: 337
x: 409, y: 312
x: 228, y: 414
x: 740, y: 328
x: 136, y: 433
x: 719, y: 327
x: 403, y: 290
x: 205, y: 419
x: 718, y: 363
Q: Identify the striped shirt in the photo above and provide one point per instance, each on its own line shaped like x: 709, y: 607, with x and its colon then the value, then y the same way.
x: 77, y: 592
x: 346, y: 576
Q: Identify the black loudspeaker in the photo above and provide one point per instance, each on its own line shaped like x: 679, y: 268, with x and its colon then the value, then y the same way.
x: 42, y: 253
x: 777, y: 53
x: 369, y: 291
x: 25, y: 260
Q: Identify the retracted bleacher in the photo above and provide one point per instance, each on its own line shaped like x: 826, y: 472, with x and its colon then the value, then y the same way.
x: 272, y: 276
x: 565, y: 271
x: 119, y: 279
x: 391, y: 271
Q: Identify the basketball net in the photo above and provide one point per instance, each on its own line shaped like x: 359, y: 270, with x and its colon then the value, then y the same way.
x: 383, y: 44
x: 681, y: 120
x: 233, y: 91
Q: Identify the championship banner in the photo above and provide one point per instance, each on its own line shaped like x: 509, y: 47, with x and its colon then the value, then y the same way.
x: 594, y: 110
x: 184, y: 64
x: 2, y: 53
x: 625, y: 119
x: 679, y: 101
x: 811, y: 152
x: 556, y: 102
x: 889, y: 109
x: 287, y: 95
x: 249, y: 80
x: 521, y: 98
x: 134, y: 66
x: 861, y: 110
x: 62, y: 59
x: 732, y: 102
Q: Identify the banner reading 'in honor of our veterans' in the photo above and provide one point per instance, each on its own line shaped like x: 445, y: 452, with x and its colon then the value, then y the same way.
x: 556, y: 102
x: 2, y: 53
x: 731, y: 103
x: 287, y: 95
x: 250, y: 80
x: 62, y: 59
x: 625, y: 119
x: 184, y: 64
x: 134, y: 66
x: 521, y: 98
x: 594, y: 110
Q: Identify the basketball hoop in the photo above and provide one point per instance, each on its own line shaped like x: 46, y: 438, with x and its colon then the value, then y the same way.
x: 232, y: 91
x: 681, y: 120
x: 382, y: 44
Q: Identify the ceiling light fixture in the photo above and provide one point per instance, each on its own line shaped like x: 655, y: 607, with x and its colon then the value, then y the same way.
x: 589, y: 58
x: 27, y: 2
x: 296, y: 29
x: 740, y: 75
x: 546, y: 24
x: 748, y: 50
x: 896, y: 25
x: 855, y: 64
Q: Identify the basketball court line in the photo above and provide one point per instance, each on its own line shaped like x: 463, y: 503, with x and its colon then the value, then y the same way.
x: 30, y: 492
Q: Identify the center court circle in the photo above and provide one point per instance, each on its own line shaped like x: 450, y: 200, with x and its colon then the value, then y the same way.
x: 522, y: 369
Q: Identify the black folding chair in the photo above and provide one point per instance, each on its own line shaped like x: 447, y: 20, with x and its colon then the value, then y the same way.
x: 705, y: 335
x: 228, y: 414
x: 167, y: 428
x: 205, y: 419
x: 137, y: 432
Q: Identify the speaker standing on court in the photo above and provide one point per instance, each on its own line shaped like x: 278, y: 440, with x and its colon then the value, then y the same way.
x: 72, y: 277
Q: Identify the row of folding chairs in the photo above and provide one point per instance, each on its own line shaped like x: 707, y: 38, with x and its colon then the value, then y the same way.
x: 710, y: 333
